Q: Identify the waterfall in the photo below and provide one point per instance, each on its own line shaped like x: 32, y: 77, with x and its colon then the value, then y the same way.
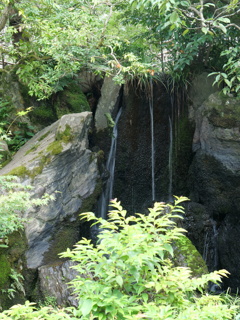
x: 170, y: 160
x: 110, y: 166
x: 152, y: 139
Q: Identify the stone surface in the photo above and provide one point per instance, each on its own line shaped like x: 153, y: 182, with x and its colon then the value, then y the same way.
x: 53, y: 282
x: 4, y: 152
x: 201, y: 88
x: 217, y: 130
x: 56, y: 161
x: 109, y: 96
x: 215, y: 181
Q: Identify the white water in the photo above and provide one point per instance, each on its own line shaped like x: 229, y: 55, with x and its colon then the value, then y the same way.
x: 152, y: 140
x: 110, y: 166
x: 170, y: 160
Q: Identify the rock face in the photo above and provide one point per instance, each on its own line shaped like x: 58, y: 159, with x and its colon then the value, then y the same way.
x: 215, y: 178
x: 53, y: 282
x: 109, y: 96
x: 57, y: 161
x: 133, y: 183
x: 217, y: 130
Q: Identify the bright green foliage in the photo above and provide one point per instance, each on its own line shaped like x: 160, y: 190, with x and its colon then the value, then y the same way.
x: 15, y: 199
x: 126, y: 39
x: 19, y: 137
x: 129, y: 273
x: 29, y: 312
x: 16, y: 284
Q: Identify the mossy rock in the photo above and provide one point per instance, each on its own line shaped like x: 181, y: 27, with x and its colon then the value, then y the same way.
x: 5, y: 270
x: 89, y: 202
x: 43, y: 114
x: 71, y: 100
x: 223, y: 111
x: 11, y: 258
x: 65, y: 237
x: 186, y: 255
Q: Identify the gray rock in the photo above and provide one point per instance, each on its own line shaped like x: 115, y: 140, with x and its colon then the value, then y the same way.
x: 217, y: 130
x: 109, y: 96
x: 56, y: 161
x: 4, y: 152
x: 53, y: 282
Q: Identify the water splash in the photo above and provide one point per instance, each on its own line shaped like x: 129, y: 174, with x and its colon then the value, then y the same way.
x: 110, y: 167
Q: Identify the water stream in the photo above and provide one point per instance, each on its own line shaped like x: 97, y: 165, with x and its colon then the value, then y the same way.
x: 170, y: 160
x: 110, y: 167
x: 152, y: 140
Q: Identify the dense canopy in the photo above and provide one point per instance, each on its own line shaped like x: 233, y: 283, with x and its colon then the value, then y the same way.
x: 47, y: 42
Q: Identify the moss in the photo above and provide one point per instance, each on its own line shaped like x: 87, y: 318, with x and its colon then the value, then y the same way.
x: 5, y: 268
x: 33, y: 148
x: 55, y: 148
x: 223, y: 111
x: 19, y: 171
x: 43, y: 114
x: 38, y: 170
x: 66, y: 135
x: 44, y: 136
x: 63, y: 238
x: 71, y: 100
x: 186, y: 254
x: 77, y: 101
x: 182, y: 154
x: 89, y: 202
x: 4, y: 163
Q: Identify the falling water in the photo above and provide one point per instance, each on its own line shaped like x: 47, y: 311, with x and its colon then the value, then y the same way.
x: 110, y: 166
x: 152, y: 140
x: 215, y: 244
x: 170, y: 160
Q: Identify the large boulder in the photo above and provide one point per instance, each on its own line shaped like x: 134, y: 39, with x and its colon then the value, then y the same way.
x: 217, y: 130
x: 215, y: 178
x: 57, y: 161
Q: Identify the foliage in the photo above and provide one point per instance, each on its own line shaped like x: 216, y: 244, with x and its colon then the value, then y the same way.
x: 29, y: 312
x: 15, y: 199
x: 129, y: 273
x: 17, y: 138
x: 126, y: 39
x: 16, y: 284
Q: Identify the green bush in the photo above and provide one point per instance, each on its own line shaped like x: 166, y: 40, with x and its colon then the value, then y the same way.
x: 129, y: 274
x: 14, y: 200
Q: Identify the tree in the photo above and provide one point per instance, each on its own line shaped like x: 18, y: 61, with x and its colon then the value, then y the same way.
x: 127, y: 39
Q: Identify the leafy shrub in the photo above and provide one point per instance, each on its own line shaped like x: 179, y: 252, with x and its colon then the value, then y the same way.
x: 14, y: 200
x: 129, y: 273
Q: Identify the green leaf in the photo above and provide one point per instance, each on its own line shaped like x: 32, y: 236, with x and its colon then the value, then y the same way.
x: 119, y: 280
x: 86, y: 306
x: 168, y: 248
x: 204, y: 30
x: 223, y: 28
x: 228, y: 83
x: 222, y: 19
x: 174, y: 17
x: 185, y: 32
